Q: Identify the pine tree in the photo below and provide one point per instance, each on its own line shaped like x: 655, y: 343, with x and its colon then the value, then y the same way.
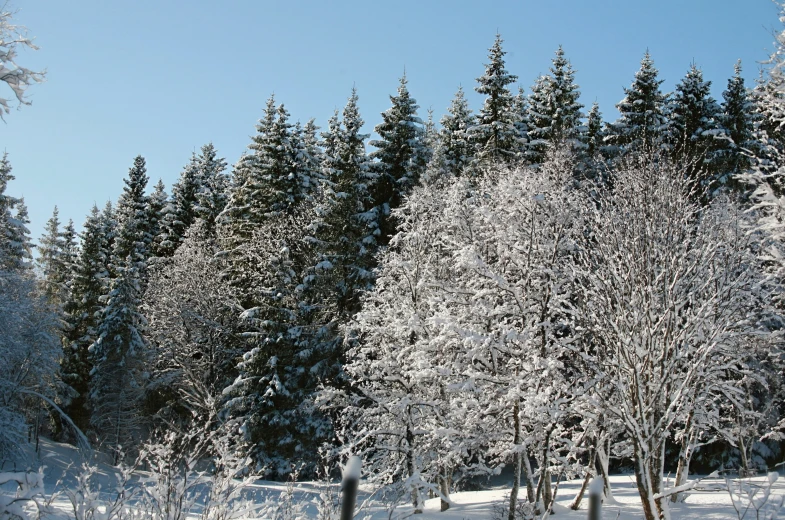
x: 133, y: 240
x: 398, y: 154
x: 213, y: 193
x: 181, y: 212
x: 15, y: 247
x: 50, y: 261
x: 119, y: 366
x: 738, y: 119
x: 158, y: 210
x: 495, y: 136
x: 82, y: 311
x: 454, y: 150
x: 694, y: 126
x: 554, y: 111
x: 593, y: 139
x: 642, y: 121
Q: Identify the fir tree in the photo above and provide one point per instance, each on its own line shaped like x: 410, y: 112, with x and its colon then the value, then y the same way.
x: 51, y: 261
x: 181, y: 212
x: 133, y: 239
x: 454, y: 150
x: 554, y: 111
x: 694, y: 127
x: 594, y: 147
x: 82, y: 311
x: 213, y: 193
x: 495, y: 136
x: 157, y: 212
x: 642, y: 121
x: 399, y: 156
x: 15, y: 247
x: 738, y: 119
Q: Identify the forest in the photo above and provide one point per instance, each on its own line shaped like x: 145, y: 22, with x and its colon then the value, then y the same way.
x: 521, y: 287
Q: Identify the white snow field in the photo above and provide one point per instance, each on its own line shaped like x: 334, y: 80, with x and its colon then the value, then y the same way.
x: 710, y: 499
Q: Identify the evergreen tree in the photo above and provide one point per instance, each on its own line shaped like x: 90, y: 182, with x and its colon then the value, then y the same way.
x: 51, y: 261
x: 454, y: 150
x: 119, y: 366
x: 82, y: 311
x: 15, y: 247
x: 642, y: 121
x: 158, y: 210
x: 593, y: 139
x: 133, y: 240
x: 694, y: 126
x: 738, y: 119
x: 181, y: 212
x: 399, y: 156
x: 213, y: 192
x: 495, y: 136
x: 554, y: 111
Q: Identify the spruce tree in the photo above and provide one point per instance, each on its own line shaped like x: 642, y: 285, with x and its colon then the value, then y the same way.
x: 695, y: 127
x: 51, y: 262
x: 738, y: 119
x: 454, y: 150
x: 15, y: 247
x: 642, y: 121
x: 132, y: 243
x: 554, y: 111
x: 158, y: 209
x: 82, y: 311
x: 181, y: 212
x: 495, y: 136
x: 212, y: 195
x: 398, y: 156
x: 594, y: 147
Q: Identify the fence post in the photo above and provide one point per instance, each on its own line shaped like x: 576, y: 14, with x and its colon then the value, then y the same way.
x: 595, y: 498
x: 349, y: 484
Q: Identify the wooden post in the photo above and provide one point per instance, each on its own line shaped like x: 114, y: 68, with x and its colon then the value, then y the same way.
x: 351, y: 480
x: 595, y: 498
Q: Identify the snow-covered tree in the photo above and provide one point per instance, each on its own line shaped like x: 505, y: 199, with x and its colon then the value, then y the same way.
x: 642, y: 121
x: 15, y: 249
x: 214, y: 191
x: 398, y: 155
x: 494, y: 135
x: 192, y: 317
x: 454, y: 151
x: 669, y: 301
x: 738, y: 119
x: 133, y: 240
x: 695, y: 127
x: 82, y: 311
x: 17, y: 78
x: 53, y: 261
x: 554, y: 113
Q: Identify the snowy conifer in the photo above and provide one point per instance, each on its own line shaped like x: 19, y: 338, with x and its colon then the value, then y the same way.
x: 738, y: 120
x: 642, y: 121
x: 398, y: 156
x: 494, y: 136
x: 454, y: 150
x: 15, y: 247
x: 554, y: 115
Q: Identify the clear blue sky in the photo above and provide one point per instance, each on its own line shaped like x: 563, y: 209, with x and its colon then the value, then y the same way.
x: 162, y: 77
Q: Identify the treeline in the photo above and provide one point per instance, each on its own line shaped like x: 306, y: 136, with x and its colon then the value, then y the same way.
x: 491, y: 286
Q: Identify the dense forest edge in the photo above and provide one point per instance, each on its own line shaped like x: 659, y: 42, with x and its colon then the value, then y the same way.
x: 525, y: 287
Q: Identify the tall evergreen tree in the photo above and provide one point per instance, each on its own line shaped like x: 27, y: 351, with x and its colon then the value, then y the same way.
x: 738, y: 120
x: 642, y: 121
x: 495, y: 136
x: 181, y: 212
x: 51, y: 261
x: 82, y: 312
x: 213, y: 192
x: 15, y: 248
x: 454, y: 150
x: 399, y: 156
x: 554, y: 111
x: 695, y: 130
x: 132, y: 243
x: 157, y: 211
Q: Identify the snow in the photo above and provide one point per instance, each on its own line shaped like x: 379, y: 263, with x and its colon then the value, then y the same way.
x: 708, y: 501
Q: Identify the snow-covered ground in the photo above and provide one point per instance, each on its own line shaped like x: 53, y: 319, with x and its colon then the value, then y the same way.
x: 709, y: 500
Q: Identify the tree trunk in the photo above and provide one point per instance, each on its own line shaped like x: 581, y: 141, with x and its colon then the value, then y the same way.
x: 528, y: 473
x: 642, y: 479
x: 517, y: 455
x: 576, y: 504
x: 444, y: 488
x: 410, y: 467
x: 685, y: 454
x: 603, y: 461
